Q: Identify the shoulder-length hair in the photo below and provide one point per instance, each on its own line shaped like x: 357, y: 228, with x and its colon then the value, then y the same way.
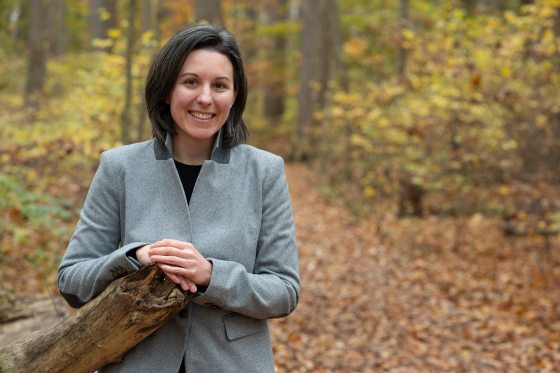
x: 165, y: 70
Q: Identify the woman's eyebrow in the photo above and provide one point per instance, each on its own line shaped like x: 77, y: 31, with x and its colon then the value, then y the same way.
x: 187, y: 73
x: 196, y: 75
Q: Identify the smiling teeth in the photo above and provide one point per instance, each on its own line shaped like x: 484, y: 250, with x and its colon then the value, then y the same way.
x: 201, y: 115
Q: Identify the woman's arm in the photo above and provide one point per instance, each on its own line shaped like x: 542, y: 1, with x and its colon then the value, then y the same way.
x: 272, y: 290
x: 93, y: 258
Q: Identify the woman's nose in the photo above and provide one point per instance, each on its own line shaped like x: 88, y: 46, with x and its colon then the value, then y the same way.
x: 205, y: 97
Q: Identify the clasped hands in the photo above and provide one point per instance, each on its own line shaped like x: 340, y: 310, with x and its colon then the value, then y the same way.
x: 180, y: 261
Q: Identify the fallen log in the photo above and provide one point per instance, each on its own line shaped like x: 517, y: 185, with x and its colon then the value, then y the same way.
x: 22, y: 314
x: 102, y: 331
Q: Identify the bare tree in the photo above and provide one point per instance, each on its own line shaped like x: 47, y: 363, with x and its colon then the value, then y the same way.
x: 209, y: 11
x: 37, y: 61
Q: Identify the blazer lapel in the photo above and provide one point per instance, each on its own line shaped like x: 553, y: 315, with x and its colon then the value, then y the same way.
x: 164, y: 152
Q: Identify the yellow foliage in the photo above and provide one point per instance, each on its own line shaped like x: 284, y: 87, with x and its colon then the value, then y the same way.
x: 475, y: 87
x: 408, y: 34
x: 104, y: 14
x: 102, y: 43
x: 369, y: 191
x: 115, y: 33
x: 355, y: 48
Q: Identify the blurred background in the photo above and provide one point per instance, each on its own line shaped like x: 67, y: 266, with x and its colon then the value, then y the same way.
x: 429, y: 126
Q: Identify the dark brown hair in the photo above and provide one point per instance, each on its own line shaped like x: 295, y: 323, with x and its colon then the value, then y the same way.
x: 165, y: 70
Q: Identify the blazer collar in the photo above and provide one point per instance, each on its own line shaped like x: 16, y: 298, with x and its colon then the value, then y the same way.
x: 220, y: 153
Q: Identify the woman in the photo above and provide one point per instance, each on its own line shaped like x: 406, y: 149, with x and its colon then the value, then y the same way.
x: 228, y: 238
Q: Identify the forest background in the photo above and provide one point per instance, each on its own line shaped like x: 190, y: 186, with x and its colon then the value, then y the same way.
x: 436, y: 121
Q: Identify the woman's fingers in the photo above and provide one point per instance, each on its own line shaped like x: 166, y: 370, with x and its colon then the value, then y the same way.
x: 172, y: 243
x: 181, y: 259
x: 171, y: 260
x: 183, y: 282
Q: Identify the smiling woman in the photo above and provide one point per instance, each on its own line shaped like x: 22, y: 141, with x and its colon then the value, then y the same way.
x: 200, y: 104
x: 213, y: 213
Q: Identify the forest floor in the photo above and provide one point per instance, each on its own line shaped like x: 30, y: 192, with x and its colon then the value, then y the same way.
x: 381, y: 294
x: 415, y: 295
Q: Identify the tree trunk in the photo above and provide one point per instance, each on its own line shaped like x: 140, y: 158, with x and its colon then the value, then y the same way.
x: 102, y: 17
x: 470, y: 6
x: 317, y: 55
x: 37, y: 62
x: 274, y: 93
x: 102, y: 331
x: 147, y: 16
x: 125, y: 115
x: 246, y: 19
x: 151, y: 19
x: 208, y: 11
x: 401, y: 50
x: 58, y: 32
x: 308, y: 67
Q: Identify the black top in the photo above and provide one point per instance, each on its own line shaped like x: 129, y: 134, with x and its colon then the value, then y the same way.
x: 188, y: 175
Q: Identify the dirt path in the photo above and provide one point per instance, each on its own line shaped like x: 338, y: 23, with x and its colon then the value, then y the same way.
x: 422, y: 307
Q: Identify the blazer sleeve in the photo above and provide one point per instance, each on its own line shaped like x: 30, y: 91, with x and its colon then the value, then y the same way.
x: 93, y: 258
x: 272, y: 290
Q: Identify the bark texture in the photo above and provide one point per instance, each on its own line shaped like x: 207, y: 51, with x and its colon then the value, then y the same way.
x: 102, y: 331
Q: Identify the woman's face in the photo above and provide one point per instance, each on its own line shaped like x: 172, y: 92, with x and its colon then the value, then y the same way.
x: 202, y: 97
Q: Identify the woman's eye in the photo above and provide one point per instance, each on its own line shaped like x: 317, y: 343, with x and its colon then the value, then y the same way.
x: 190, y: 83
x: 220, y: 86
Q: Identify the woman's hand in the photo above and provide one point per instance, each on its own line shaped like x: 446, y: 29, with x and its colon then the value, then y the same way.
x: 142, y: 255
x: 182, y: 263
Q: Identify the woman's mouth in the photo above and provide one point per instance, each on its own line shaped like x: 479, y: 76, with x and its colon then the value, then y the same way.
x: 203, y: 116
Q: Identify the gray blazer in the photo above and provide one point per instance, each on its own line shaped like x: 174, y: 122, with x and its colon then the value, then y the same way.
x: 239, y: 217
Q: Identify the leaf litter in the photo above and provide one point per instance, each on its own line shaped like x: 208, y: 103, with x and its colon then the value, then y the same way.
x: 437, y: 294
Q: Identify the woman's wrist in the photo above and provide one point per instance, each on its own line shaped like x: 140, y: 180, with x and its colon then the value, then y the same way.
x: 142, y: 255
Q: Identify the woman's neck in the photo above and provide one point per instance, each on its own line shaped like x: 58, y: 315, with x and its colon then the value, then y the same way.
x: 191, y: 152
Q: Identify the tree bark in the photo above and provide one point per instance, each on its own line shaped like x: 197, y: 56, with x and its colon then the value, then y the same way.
x: 102, y: 331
